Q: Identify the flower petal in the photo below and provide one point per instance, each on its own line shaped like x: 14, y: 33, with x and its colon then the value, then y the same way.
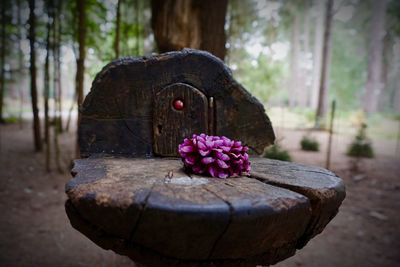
x: 222, y: 174
x: 199, y: 169
x: 186, y: 149
x: 223, y: 156
x: 225, y: 148
x: 212, y: 171
x: 208, y: 160
x: 204, y: 152
x: 190, y: 159
x: 209, y: 144
x: 201, y: 145
x: 222, y: 164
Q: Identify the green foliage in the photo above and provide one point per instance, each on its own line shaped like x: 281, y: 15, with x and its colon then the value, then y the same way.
x: 309, y: 144
x: 11, y: 120
x: 361, y: 146
x: 349, y: 62
x: 277, y: 152
x: 261, y: 76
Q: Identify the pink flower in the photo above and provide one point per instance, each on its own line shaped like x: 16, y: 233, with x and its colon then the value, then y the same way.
x: 217, y: 156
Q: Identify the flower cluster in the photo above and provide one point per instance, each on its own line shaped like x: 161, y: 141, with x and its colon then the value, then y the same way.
x: 217, y: 156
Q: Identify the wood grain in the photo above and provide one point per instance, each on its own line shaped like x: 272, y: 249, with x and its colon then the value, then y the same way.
x: 155, y: 213
x: 325, y: 190
x: 118, y: 113
x: 171, y: 126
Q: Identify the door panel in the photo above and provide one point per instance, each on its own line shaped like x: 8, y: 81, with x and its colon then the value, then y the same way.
x: 180, y: 110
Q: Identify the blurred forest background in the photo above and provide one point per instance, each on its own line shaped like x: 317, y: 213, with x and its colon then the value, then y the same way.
x: 295, y: 56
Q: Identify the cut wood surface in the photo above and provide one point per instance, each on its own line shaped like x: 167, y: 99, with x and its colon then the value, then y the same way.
x: 119, y: 112
x: 322, y: 187
x: 155, y: 213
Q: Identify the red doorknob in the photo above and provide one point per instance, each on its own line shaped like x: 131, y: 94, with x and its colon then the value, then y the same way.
x: 178, y: 104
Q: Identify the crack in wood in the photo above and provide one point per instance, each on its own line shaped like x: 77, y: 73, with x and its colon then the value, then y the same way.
x: 316, y: 223
x: 230, y: 219
x: 143, y: 208
x: 129, y: 129
x: 133, y: 249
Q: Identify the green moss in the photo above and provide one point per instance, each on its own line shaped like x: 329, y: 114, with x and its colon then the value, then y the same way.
x: 361, y: 146
x: 277, y: 152
x: 11, y: 120
x: 309, y: 144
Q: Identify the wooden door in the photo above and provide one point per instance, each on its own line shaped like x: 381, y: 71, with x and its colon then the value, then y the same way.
x: 180, y: 110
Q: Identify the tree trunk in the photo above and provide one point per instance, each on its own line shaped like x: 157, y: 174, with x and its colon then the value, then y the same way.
x: 32, y: 69
x: 47, y: 86
x: 189, y: 23
x: 317, y: 54
x: 374, y: 83
x: 306, y: 73
x: 395, y: 96
x: 293, y: 91
x: 2, y: 58
x: 326, y: 51
x: 20, y: 64
x: 137, y: 21
x: 57, y: 122
x: 57, y: 64
x: 117, y: 29
x: 80, y: 69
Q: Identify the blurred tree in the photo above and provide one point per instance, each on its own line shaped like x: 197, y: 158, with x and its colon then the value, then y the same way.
x: 294, y: 85
x: 32, y: 68
x: 188, y: 23
x: 57, y: 42
x: 21, y: 65
x: 46, y: 82
x: 117, y: 29
x: 390, y: 97
x: 326, y: 50
x: 80, y: 61
x: 374, y: 84
x: 56, y: 50
x: 2, y: 56
x: 317, y: 53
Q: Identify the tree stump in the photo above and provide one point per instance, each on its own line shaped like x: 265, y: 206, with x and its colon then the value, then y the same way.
x: 130, y: 197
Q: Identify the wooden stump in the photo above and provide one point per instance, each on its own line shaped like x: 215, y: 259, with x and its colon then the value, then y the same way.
x: 158, y: 215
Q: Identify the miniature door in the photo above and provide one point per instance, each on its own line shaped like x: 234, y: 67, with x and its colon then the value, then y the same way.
x: 179, y: 111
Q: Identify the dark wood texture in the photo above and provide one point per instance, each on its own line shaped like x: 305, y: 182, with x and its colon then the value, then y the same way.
x: 171, y: 126
x: 323, y: 188
x: 155, y: 213
x: 195, y: 24
x: 117, y: 116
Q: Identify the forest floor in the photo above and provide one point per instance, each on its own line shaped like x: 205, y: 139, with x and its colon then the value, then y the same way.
x: 35, y: 231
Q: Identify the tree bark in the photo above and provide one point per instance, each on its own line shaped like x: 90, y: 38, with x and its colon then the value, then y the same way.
x: 47, y: 85
x: 317, y: 54
x: 2, y: 58
x: 374, y: 83
x: 395, y: 95
x: 32, y: 69
x: 189, y: 23
x: 57, y: 64
x: 117, y: 29
x: 80, y: 70
x: 293, y: 91
x: 326, y: 51
x: 20, y: 63
x: 306, y: 73
x: 57, y: 109
x: 137, y: 22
